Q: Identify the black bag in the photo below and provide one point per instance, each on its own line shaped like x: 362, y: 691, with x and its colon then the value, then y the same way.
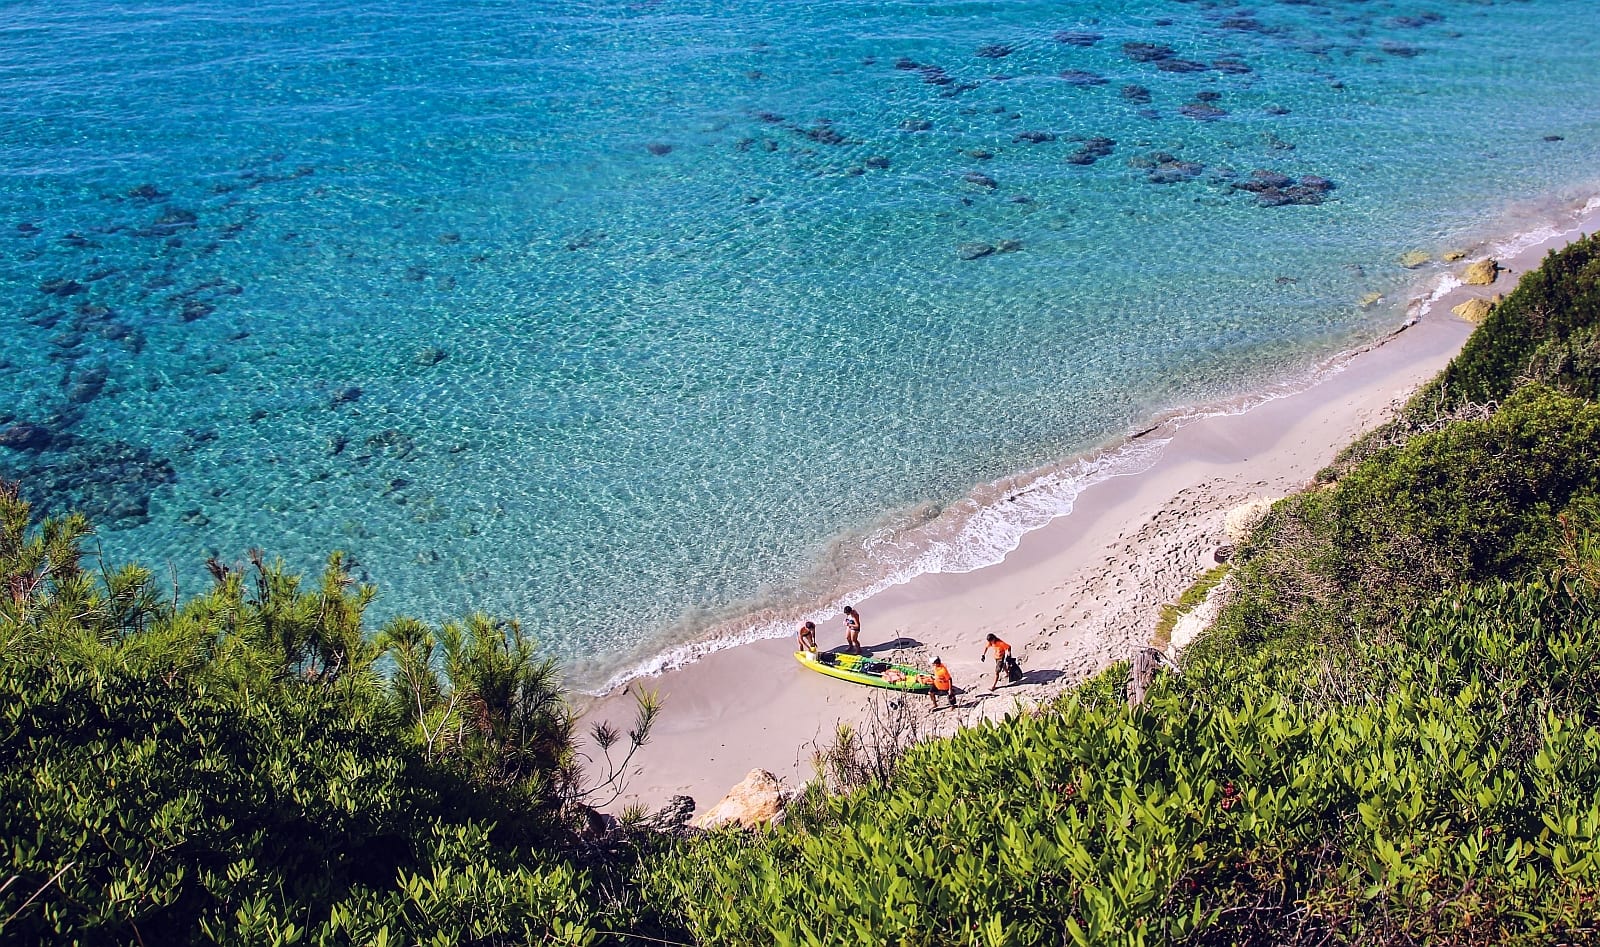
x: 1013, y: 670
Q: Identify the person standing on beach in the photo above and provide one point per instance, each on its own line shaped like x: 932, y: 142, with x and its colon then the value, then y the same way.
x: 942, y: 684
x: 808, y: 636
x: 852, y: 630
x: 1000, y: 649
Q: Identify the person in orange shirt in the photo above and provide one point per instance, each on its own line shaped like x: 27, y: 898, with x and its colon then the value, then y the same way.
x: 808, y: 637
x: 942, y: 684
x: 1000, y: 649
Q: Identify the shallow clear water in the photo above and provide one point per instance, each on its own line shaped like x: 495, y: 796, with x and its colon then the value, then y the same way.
x: 623, y: 319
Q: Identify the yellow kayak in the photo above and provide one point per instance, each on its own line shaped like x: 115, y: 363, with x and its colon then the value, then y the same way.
x: 862, y: 669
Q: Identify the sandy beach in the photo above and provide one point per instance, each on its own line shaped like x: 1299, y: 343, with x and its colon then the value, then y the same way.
x: 1075, y: 595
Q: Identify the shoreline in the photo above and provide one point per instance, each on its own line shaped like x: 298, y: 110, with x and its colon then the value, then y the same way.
x: 1076, y: 593
x: 980, y: 529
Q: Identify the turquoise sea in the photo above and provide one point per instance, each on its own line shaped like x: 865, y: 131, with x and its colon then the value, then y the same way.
x: 635, y: 320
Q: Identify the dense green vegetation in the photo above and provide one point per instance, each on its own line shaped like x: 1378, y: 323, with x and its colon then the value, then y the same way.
x: 235, y: 769
x: 1391, y: 736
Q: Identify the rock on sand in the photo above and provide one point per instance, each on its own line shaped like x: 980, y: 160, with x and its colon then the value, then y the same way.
x: 1243, y: 518
x: 1481, y: 273
x: 757, y: 800
x: 1473, y: 310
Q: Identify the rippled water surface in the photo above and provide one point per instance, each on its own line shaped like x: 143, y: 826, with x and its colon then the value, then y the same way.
x: 626, y: 318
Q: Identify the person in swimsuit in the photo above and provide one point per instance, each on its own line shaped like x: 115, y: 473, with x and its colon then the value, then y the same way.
x: 852, y: 630
x: 1000, y: 649
x: 808, y: 637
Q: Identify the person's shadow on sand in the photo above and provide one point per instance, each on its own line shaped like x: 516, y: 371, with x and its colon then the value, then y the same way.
x: 1041, y: 676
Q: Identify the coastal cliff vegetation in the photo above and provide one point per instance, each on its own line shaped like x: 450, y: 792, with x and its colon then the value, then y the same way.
x: 1391, y: 735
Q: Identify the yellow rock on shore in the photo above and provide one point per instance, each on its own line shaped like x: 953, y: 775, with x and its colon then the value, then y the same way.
x: 1450, y: 256
x: 757, y: 800
x: 1473, y: 310
x: 1481, y: 273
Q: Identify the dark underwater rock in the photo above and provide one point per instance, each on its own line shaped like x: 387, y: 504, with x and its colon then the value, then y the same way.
x: 1203, y: 111
x: 1008, y: 246
x: 61, y: 287
x: 148, y: 192
x: 393, y: 442
x: 170, y: 224
x: 1165, y: 168
x: 995, y: 51
x: 916, y: 125
x: 1136, y: 93
x: 1275, y: 189
x: 346, y: 395
x: 87, y: 386
x: 1078, y: 37
x: 1232, y: 67
x: 25, y: 435
x: 111, y: 482
x: 43, y: 317
x: 1092, y: 150
x: 67, y: 340
x: 1180, y: 65
x: 1421, y: 19
x: 658, y: 148
x: 877, y: 163
x: 1035, y: 137
x: 1243, y: 24
x: 430, y: 356
x: 974, y: 251
x: 980, y: 154
x: 1082, y: 77
x: 27, y: 229
x: 823, y: 133
x: 1148, y: 52
x: 979, y: 179
x: 1261, y: 179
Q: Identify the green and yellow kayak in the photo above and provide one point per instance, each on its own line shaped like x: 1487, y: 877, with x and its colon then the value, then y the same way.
x: 861, y: 669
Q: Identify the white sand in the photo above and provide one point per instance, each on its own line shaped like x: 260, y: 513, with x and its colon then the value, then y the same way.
x: 1073, y: 597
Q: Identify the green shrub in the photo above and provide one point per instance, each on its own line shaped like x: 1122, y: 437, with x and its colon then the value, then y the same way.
x: 1401, y: 791
x: 233, y: 768
x: 1549, y: 307
x: 1474, y: 500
